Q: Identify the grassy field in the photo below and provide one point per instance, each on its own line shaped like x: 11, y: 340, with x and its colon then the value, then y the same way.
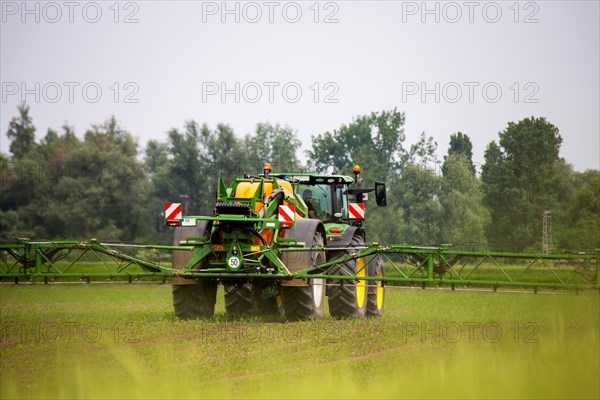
x: 121, y: 341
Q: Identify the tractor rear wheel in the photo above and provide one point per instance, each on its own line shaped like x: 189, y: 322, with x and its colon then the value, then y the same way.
x: 271, y: 303
x: 347, y: 297
x: 240, y: 300
x: 306, y: 302
x: 376, y: 289
x: 192, y: 298
x: 250, y: 299
x: 196, y: 300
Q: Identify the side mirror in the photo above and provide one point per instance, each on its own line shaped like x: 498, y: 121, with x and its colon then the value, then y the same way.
x: 380, y: 194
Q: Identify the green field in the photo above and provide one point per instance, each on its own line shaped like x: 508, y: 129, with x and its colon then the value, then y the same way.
x: 121, y: 341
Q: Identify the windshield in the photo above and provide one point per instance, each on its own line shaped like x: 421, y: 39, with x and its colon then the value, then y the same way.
x: 324, y: 201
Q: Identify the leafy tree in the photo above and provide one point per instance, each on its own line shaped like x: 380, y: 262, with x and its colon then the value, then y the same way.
x: 187, y: 168
x: 585, y: 209
x: 22, y: 132
x: 516, y: 178
x: 272, y: 143
x: 115, y: 179
x: 464, y: 217
x: 375, y: 141
x: 384, y: 224
x: 224, y: 150
x: 183, y: 175
x: 223, y: 157
x: 67, y: 188
x: 420, y: 204
x: 460, y: 144
x: 8, y: 216
x: 20, y: 172
x: 576, y: 223
x: 157, y: 156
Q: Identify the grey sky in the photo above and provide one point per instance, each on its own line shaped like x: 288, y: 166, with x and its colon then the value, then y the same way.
x: 175, y: 58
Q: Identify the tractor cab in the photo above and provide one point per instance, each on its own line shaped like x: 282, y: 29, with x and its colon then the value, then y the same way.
x: 337, y: 200
x: 326, y: 197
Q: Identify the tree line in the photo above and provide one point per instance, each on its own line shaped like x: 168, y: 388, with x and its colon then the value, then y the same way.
x: 102, y: 185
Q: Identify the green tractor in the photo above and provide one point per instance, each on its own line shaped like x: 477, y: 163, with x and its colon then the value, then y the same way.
x: 265, y: 230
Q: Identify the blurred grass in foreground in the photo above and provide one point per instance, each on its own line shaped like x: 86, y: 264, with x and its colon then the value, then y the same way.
x: 121, y: 341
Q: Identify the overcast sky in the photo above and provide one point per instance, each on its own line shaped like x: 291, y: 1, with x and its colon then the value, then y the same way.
x: 450, y: 66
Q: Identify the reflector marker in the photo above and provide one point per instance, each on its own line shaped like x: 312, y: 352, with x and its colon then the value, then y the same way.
x: 357, y: 210
x: 287, y: 213
x: 173, y: 211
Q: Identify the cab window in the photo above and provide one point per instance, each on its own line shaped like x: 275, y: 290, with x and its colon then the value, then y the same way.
x: 317, y: 198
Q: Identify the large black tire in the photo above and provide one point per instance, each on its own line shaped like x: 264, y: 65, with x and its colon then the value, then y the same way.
x: 195, y: 301
x: 348, y: 297
x: 376, y: 290
x: 272, y: 306
x: 302, y: 302
x: 192, y: 299
x: 250, y: 299
x: 241, y: 300
x: 306, y: 302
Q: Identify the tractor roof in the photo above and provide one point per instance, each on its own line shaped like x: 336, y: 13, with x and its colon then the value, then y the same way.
x: 313, y: 178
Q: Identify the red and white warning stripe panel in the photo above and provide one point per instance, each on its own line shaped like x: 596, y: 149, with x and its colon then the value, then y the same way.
x: 173, y: 211
x: 286, y: 216
x: 357, y: 210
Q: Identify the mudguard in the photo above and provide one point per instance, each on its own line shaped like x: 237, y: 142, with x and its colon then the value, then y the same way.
x: 181, y: 258
x: 344, y: 239
x: 304, y: 232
